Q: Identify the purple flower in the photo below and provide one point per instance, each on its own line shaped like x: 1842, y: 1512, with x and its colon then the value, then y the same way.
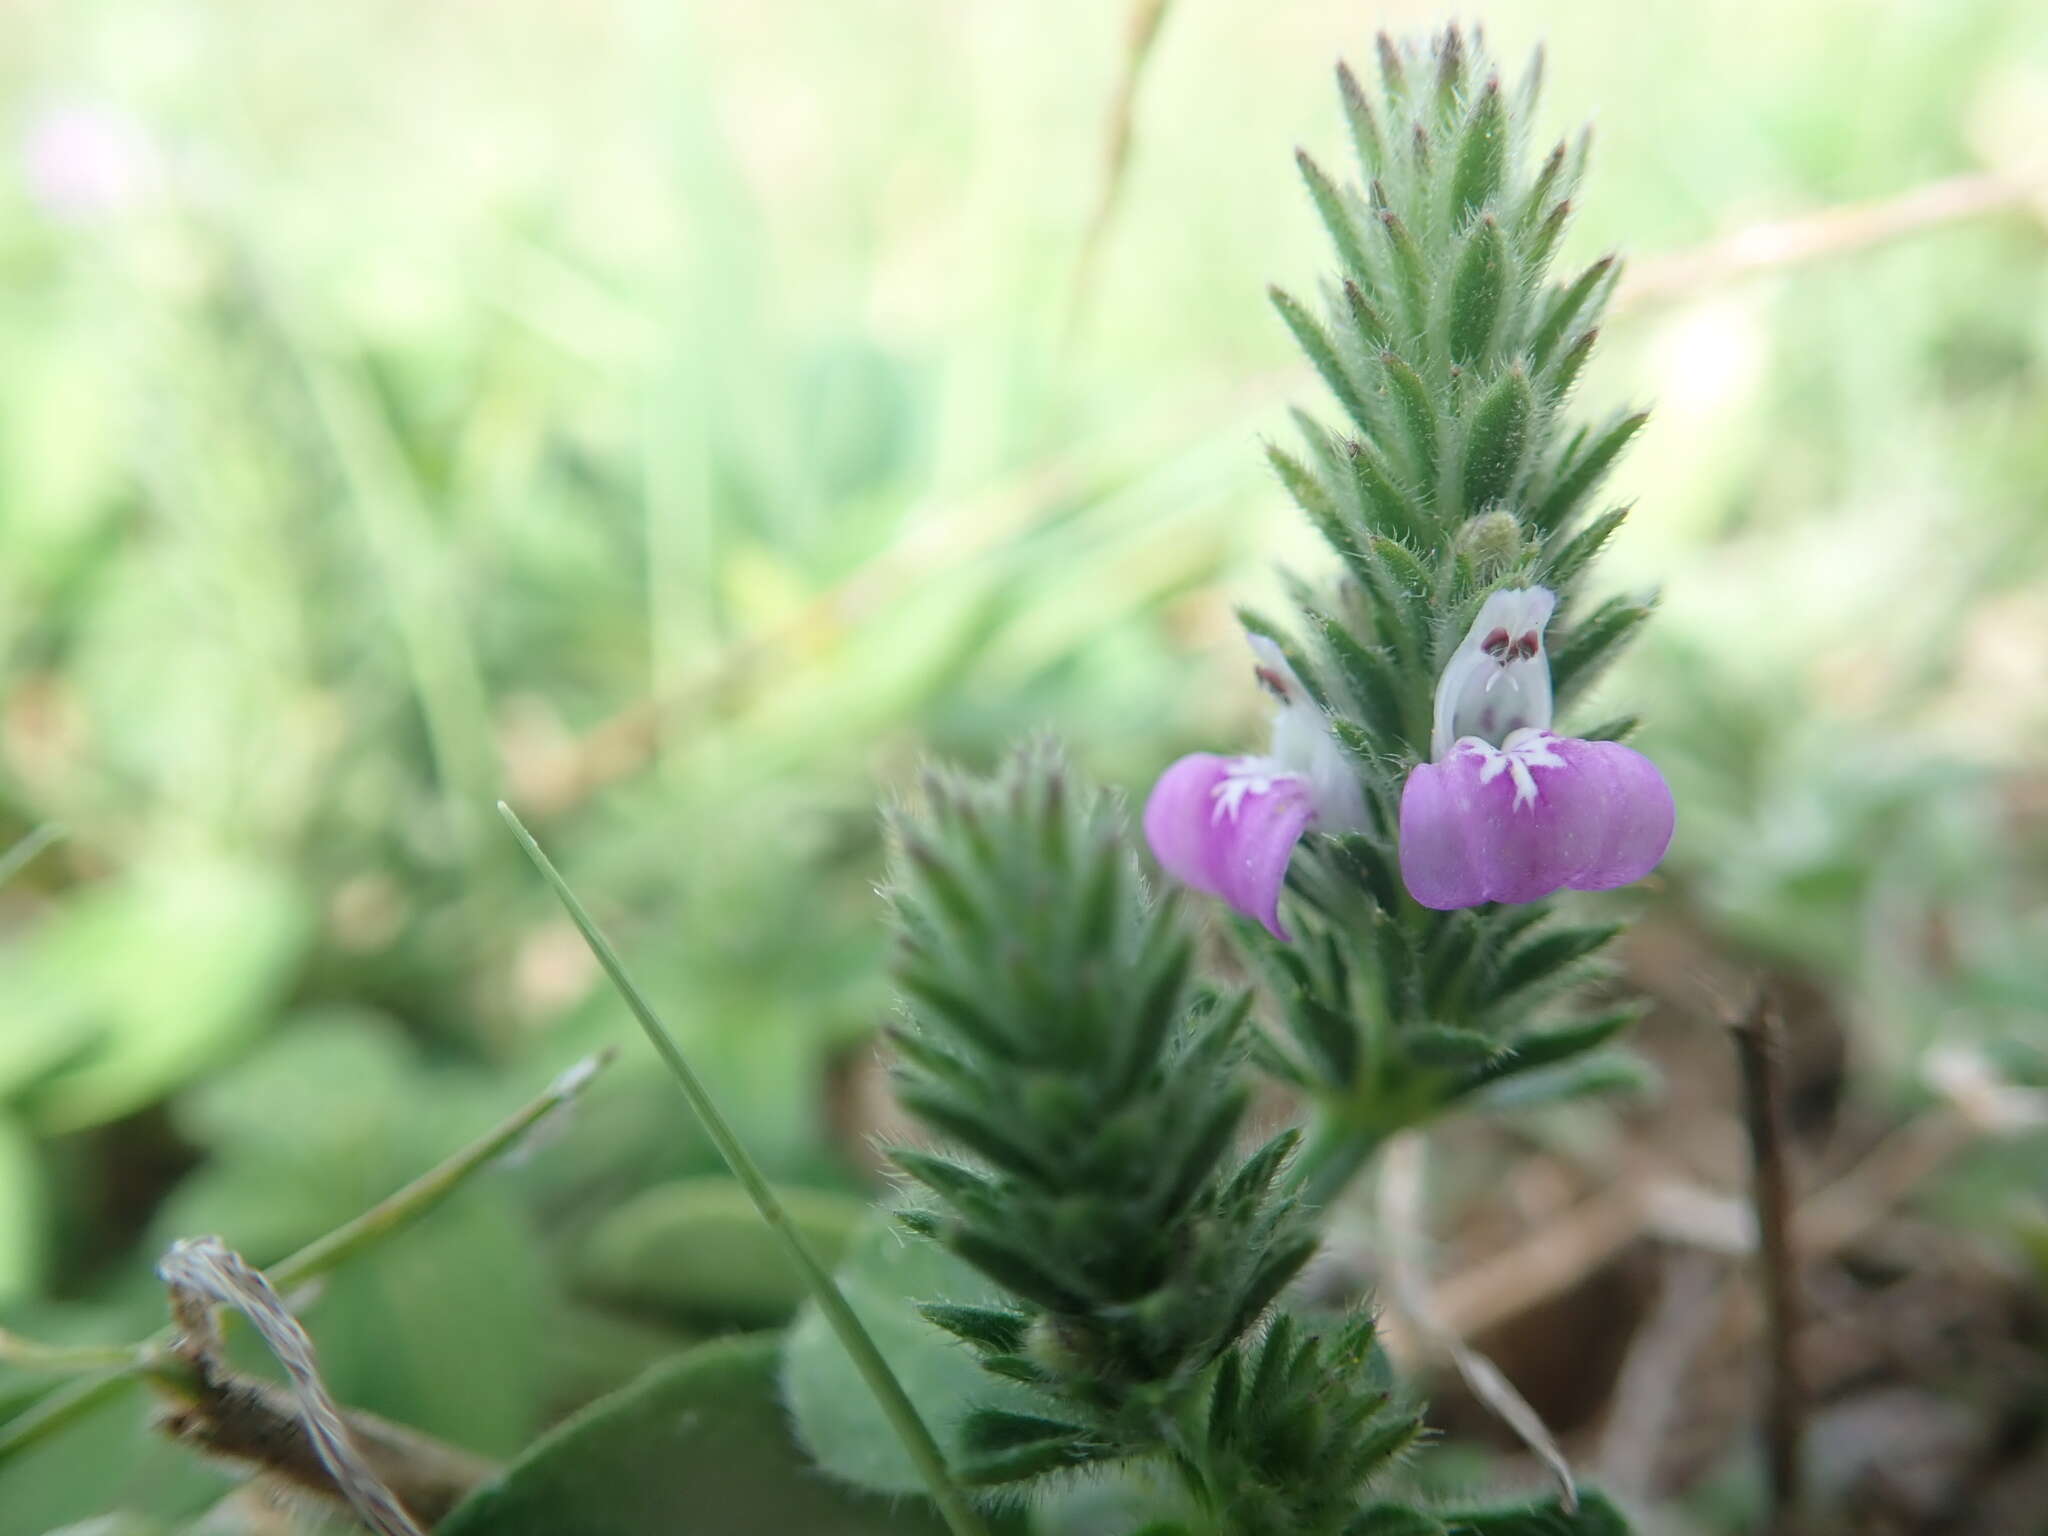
x: 1228, y: 825
x: 1506, y: 811
x: 1509, y: 811
x: 1538, y: 814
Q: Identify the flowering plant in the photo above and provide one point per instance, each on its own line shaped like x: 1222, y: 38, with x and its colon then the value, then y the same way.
x: 1390, y: 857
x: 1416, y: 810
x: 1114, y: 1256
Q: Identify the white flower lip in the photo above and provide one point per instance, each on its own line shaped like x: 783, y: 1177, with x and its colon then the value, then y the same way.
x: 1498, y: 680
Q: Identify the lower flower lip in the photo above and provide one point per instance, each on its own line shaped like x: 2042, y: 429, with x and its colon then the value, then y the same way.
x: 1516, y: 824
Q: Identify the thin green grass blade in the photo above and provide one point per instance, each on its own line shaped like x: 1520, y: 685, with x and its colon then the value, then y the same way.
x: 895, y: 1404
x: 405, y: 1206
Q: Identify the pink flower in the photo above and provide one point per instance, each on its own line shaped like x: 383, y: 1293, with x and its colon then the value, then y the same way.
x: 1508, y: 811
x: 1228, y: 826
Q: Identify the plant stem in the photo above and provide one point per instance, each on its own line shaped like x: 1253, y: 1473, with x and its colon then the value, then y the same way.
x: 895, y: 1403
x: 60, y: 1409
x: 1337, y: 1150
x: 64, y: 1359
x: 432, y: 1187
x: 146, y: 1360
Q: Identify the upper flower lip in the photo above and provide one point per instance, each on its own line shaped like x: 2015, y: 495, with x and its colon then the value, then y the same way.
x: 1498, y: 679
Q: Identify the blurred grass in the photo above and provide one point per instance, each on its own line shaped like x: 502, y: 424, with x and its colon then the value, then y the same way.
x: 667, y: 418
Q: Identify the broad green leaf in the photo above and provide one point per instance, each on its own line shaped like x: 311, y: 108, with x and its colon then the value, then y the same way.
x: 109, y: 1463
x: 699, y: 1446
x: 441, y: 1327
x: 143, y: 982
x: 698, y: 1253
x: 1595, y: 1516
x: 887, y: 1273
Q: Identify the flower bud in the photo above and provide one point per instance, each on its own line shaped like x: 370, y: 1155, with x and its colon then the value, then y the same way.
x: 1493, y: 542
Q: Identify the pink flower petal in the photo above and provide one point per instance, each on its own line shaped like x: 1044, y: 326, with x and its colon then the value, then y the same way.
x: 1637, y: 816
x: 1543, y: 814
x: 1227, y: 827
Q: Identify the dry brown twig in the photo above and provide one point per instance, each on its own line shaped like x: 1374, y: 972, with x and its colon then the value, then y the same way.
x: 1759, y: 1047
x: 1810, y: 237
x: 1147, y: 17
x: 306, y: 1438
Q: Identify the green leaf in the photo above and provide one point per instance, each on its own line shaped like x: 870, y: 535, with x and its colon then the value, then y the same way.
x: 1546, y: 1047
x: 1450, y: 70
x: 1565, y: 308
x: 1328, y: 1038
x: 1535, y: 960
x: 1366, y: 319
x: 1365, y: 128
x: 1496, y: 440
x: 1543, y: 242
x: 701, y: 1439
x: 1595, y: 1074
x: 1443, y: 1045
x: 697, y: 1253
x: 1563, y: 568
x: 1482, y: 155
x: 1310, y: 336
x: 887, y: 1279
x: 1577, y: 479
x: 441, y: 1327
x: 1538, y: 197
x: 1479, y: 283
x: 1382, y: 499
x: 1590, y: 645
x: 1393, y: 76
x: 1002, y: 1447
x: 161, y: 973
x: 1305, y: 488
x: 1394, y: 1520
x: 1370, y: 673
x: 1335, y: 216
x: 1595, y: 1517
x: 1619, y: 728
x: 994, y: 1330
x: 1410, y: 270
x: 1418, y: 414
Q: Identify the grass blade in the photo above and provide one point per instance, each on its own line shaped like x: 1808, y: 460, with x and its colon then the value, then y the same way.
x: 895, y: 1404
x: 407, y: 1205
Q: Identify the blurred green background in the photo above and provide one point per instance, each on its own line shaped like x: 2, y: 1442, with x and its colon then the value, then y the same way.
x: 679, y: 420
